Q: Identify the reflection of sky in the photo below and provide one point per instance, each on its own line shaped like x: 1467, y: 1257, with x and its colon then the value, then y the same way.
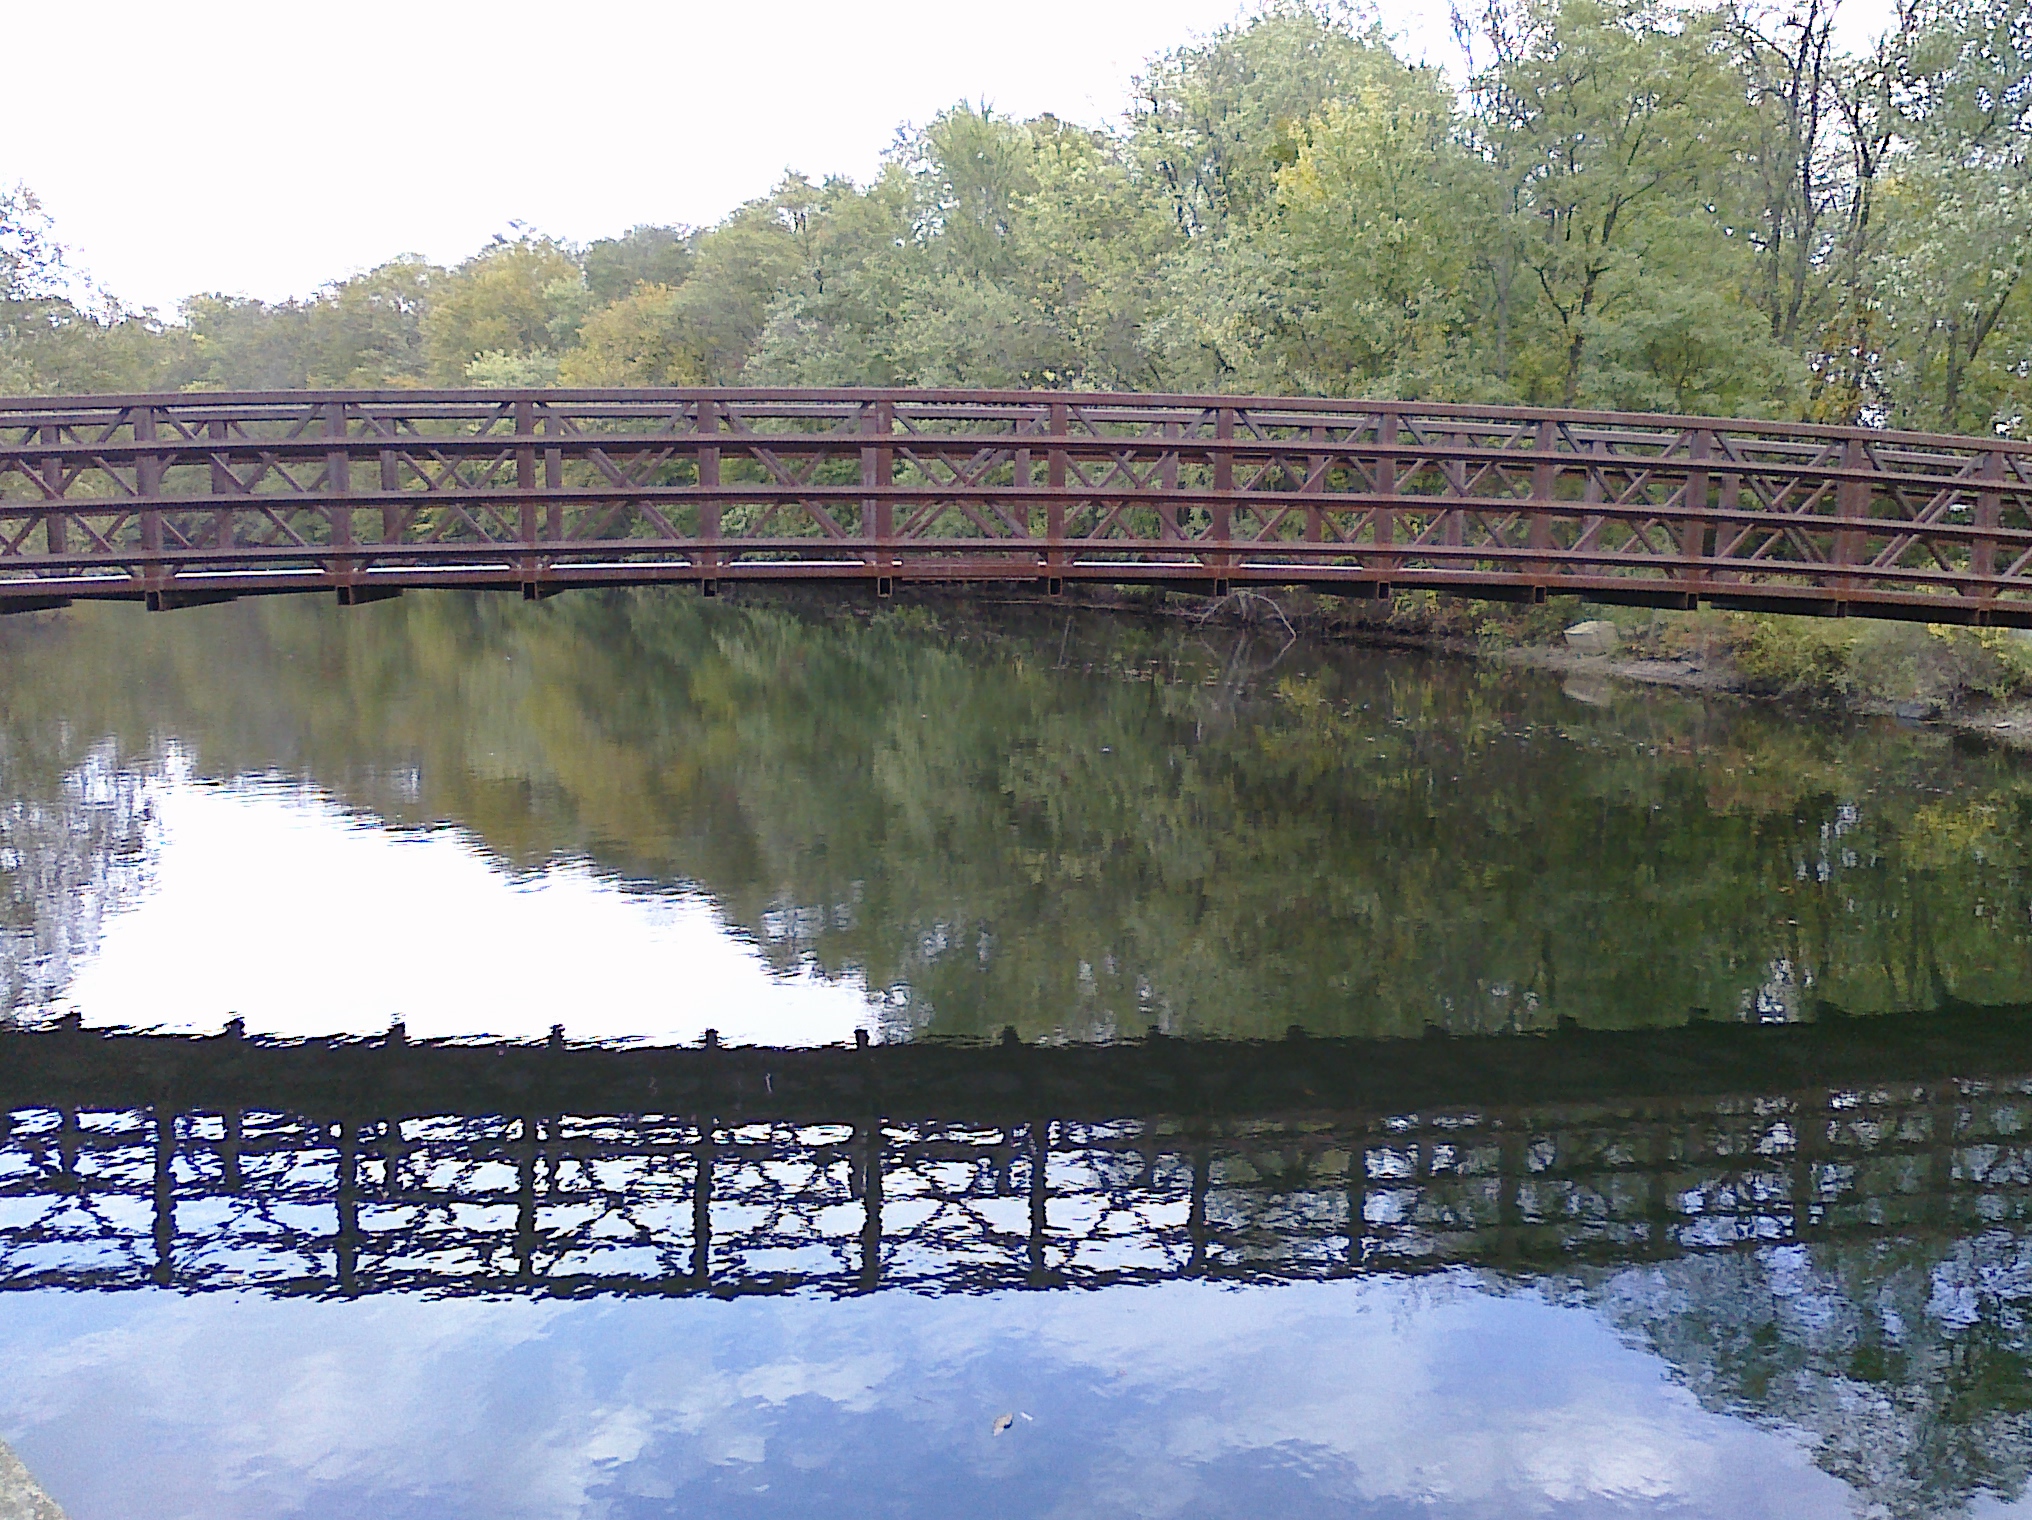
x: 1384, y: 1398
x: 274, y: 903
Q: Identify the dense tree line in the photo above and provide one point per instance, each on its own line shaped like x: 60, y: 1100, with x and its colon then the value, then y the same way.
x: 1628, y: 204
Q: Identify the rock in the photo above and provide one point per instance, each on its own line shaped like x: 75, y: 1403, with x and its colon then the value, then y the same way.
x: 1595, y: 638
x: 1921, y: 711
x: 20, y: 1496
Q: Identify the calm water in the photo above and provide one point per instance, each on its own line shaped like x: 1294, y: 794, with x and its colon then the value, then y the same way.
x: 1629, y: 1273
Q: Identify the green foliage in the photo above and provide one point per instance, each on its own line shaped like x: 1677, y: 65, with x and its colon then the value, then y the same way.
x: 515, y: 297
x: 1633, y: 204
x: 1960, y: 218
x: 1884, y: 663
x: 645, y: 255
x: 31, y: 261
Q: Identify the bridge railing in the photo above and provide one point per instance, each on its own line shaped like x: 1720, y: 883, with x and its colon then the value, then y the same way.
x: 194, y: 496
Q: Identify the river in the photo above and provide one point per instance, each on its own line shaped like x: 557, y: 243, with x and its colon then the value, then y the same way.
x: 1602, y: 1103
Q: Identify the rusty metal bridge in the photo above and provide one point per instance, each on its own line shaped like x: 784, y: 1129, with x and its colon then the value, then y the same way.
x: 358, y: 1167
x: 182, y: 499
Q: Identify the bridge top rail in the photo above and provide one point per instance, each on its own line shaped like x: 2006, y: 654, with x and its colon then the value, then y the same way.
x: 1123, y: 404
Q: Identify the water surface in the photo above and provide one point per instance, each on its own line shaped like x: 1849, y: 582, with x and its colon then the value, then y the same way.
x: 642, y: 817
x: 458, y: 809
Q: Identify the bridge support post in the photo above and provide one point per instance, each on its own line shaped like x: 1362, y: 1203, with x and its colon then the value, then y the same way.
x: 702, y: 1211
x: 1658, y: 1210
x: 1384, y: 475
x: 1223, y: 508
x: 223, y: 485
x: 165, y: 1195
x: 1544, y: 494
x: 1167, y: 476
x: 1195, y: 1210
x: 708, y: 556
x: 1693, y: 523
x: 868, y: 1158
x: 1358, y: 1200
x: 1040, y: 1200
x: 1809, y: 1140
x: 1054, y: 479
x: 878, y: 474
x: 155, y: 575
x: 1943, y: 1123
x: 1727, y: 535
x: 391, y: 510
x: 1989, y: 515
x: 553, y: 482
x: 231, y: 1123
x: 1852, y: 505
x: 1510, y: 1173
x: 346, y: 1240
x: 53, y: 525
x: 528, y: 531
x: 1316, y: 467
x: 339, y: 486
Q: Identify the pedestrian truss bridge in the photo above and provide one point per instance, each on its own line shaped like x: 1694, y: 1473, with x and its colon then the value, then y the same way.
x: 181, y: 499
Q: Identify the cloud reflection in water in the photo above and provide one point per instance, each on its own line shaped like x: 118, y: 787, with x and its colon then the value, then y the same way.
x: 1435, y: 1397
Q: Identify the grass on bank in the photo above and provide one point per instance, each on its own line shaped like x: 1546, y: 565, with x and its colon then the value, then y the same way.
x: 1853, y: 662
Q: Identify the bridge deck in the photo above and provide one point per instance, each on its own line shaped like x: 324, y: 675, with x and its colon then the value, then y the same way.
x: 182, y: 499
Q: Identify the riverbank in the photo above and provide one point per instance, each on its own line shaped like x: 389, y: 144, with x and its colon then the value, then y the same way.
x: 1978, y: 681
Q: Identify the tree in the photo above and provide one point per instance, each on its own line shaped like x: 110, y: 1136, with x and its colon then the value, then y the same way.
x: 58, y: 334
x: 644, y: 255
x: 1798, y: 187
x: 1961, y: 222
x: 701, y: 330
x: 1635, y: 203
x: 519, y: 296
x: 1367, y: 280
x: 32, y: 264
x: 367, y: 332
x: 1214, y: 122
x: 1615, y: 125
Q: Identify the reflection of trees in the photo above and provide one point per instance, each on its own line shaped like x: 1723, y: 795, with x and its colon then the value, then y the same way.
x: 1093, y: 826
x: 72, y: 848
x: 1906, y: 1363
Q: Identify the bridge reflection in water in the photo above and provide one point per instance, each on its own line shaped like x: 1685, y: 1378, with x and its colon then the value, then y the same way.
x: 353, y: 1168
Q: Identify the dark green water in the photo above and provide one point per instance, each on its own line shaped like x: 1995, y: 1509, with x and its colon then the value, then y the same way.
x: 1686, y: 1291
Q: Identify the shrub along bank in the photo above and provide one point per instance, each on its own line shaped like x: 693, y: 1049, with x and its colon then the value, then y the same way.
x: 1917, y: 670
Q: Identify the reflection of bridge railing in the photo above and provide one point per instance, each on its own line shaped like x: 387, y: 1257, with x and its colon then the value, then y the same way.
x: 191, y: 497
x: 356, y: 1168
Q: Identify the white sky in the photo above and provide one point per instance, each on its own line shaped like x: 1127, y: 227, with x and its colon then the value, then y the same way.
x: 262, y: 148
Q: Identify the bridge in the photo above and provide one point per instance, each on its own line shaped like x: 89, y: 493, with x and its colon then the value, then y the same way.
x: 176, y: 500
x: 344, y: 1168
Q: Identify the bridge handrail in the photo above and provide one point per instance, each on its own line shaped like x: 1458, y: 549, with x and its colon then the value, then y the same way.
x: 856, y: 395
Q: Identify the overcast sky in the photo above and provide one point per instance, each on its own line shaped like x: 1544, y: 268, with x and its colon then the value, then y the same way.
x: 261, y: 148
